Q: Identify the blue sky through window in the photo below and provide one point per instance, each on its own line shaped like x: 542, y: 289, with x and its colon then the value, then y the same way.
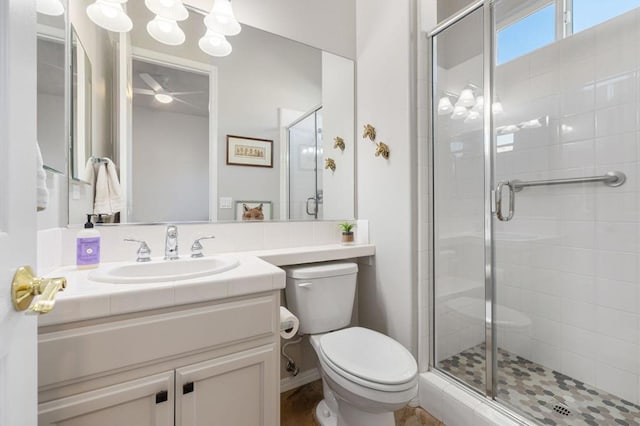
x: 538, y: 29
x: 588, y: 13
x: 530, y: 33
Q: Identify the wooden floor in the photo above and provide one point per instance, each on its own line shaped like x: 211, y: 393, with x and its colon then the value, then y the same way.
x: 298, y: 405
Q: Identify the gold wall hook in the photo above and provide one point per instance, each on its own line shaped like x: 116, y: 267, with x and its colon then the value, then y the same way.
x: 382, y: 150
x: 369, y: 132
x: 25, y: 287
x: 329, y: 163
x: 338, y: 142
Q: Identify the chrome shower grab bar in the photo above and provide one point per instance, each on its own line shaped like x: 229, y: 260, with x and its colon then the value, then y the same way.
x: 612, y: 179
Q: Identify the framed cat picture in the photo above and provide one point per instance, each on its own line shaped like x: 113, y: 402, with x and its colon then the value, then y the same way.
x: 253, y: 210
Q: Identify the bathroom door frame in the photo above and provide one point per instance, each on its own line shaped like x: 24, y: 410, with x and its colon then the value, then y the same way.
x: 489, y: 185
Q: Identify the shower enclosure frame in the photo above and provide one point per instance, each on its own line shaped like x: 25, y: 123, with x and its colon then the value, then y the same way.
x: 489, y: 184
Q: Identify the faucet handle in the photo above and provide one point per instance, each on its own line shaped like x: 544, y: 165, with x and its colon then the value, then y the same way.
x: 196, y: 247
x: 144, y: 252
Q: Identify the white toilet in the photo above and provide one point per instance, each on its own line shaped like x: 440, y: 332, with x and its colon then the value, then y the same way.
x: 365, y: 375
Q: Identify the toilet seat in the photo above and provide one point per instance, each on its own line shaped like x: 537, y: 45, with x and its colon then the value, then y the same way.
x: 369, y: 359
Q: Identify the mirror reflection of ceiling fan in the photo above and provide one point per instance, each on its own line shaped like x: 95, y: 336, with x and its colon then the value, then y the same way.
x: 160, y: 93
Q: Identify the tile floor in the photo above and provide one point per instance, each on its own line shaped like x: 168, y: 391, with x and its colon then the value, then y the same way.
x: 544, y: 394
x: 297, y: 407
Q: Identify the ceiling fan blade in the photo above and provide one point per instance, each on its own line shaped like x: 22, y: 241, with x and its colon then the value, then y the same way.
x: 197, y: 92
x: 151, y: 82
x: 184, y: 102
x: 144, y: 91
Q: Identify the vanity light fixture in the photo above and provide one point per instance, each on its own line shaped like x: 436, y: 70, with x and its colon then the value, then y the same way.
x: 110, y: 15
x: 50, y: 7
x: 221, y: 19
x: 215, y: 44
x: 445, y: 106
x: 459, y: 112
x: 496, y: 108
x: 479, y: 106
x: 466, y: 98
x: 170, y: 9
x: 165, y: 31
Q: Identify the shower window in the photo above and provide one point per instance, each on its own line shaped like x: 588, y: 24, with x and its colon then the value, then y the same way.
x: 533, y: 31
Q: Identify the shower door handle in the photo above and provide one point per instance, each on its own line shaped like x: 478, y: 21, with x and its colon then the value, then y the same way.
x: 512, y: 201
x: 309, y: 212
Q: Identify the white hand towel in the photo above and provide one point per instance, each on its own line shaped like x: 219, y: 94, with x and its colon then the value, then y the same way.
x: 42, y: 191
x: 107, y: 190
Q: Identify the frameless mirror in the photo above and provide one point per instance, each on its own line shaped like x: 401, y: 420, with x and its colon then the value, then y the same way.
x: 202, y: 138
x: 51, y: 91
x: 81, y: 106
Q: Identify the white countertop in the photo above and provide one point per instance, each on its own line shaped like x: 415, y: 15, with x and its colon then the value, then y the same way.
x: 257, y: 272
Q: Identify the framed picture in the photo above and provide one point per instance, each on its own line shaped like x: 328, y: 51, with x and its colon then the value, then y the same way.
x: 253, y: 210
x: 242, y: 151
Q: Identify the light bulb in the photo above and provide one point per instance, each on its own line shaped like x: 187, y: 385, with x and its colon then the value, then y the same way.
x: 169, y: 9
x: 221, y: 19
x: 444, y: 106
x: 50, y: 7
x: 165, y: 31
x: 109, y: 15
x: 472, y: 116
x: 215, y: 44
x: 163, y: 98
x: 496, y: 108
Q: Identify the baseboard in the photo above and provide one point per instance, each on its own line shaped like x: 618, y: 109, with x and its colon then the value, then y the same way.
x: 302, y: 378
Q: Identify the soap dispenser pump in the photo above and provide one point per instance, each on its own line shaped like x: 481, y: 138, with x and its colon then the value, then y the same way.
x: 88, y: 246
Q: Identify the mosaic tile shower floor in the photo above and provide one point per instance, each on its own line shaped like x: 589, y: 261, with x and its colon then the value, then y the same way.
x: 543, y: 393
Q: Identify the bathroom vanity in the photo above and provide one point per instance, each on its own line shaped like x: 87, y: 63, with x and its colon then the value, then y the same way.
x: 198, y: 351
x: 201, y: 350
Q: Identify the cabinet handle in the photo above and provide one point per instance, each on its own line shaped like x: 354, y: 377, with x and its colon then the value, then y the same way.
x: 187, y: 388
x: 162, y: 396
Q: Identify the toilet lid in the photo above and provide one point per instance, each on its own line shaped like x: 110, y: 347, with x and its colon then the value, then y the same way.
x: 369, y: 355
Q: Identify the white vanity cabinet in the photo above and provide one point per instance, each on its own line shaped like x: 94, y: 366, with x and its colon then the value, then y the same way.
x: 191, y: 365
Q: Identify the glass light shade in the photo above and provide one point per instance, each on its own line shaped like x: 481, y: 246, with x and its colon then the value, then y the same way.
x: 479, y: 105
x: 109, y: 15
x: 472, y: 116
x: 215, y: 44
x: 163, y: 98
x: 169, y: 9
x: 221, y: 19
x: 445, y: 106
x: 466, y: 98
x: 496, y: 108
x: 531, y: 124
x: 165, y: 31
x: 459, y: 112
x: 50, y: 7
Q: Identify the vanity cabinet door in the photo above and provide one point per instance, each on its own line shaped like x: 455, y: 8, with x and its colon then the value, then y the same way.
x: 238, y: 389
x: 144, y: 402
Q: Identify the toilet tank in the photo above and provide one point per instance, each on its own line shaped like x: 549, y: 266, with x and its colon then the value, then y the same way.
x: 321, y: 295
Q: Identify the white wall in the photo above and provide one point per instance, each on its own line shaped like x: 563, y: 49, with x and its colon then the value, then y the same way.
x: 326, y: 25
x: 386, y: 188
x: 170, y: 155
x: 338, y: 118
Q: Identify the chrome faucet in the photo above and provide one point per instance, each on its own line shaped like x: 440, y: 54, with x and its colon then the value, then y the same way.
x: 171, y: 243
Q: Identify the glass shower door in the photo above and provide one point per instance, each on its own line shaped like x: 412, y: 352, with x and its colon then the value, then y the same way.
x: 459, y: 202
x: 305, y: 167
x: 566, y: 250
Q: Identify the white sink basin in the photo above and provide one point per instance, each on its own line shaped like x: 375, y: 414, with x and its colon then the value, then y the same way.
x: 162, y: 270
